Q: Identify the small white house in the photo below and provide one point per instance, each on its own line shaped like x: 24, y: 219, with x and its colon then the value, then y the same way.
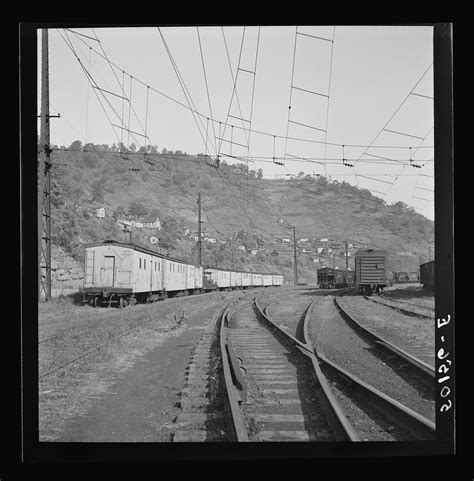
x: 100, y: 213
x: 241, y: 248
x: 286, y: 240
x: 153, y: 240
x: 152, y: 223
x: 212, y: 240
x: 254, y: 252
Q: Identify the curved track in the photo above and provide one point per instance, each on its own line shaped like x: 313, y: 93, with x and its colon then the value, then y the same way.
x: 406, y: 307
x: 277, y: 391
x: 421, y: 369
x: 390, y: 419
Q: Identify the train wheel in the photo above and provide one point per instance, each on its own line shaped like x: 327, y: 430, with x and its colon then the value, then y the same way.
x: 96, y: 302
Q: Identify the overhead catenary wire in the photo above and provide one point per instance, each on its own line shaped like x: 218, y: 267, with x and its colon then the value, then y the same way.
x: 255, y: 131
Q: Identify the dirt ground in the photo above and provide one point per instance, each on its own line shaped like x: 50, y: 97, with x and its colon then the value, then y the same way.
x: 127, y: 390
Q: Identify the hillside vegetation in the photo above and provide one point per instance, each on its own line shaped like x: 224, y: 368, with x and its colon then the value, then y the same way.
x: 239, y: 208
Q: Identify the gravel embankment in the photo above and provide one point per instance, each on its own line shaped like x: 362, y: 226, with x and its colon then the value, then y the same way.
x: 333, y: 337
x: 414, y: 334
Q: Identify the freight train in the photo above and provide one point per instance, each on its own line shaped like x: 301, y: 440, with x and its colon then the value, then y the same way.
x: 371, y: 274
x: 329, y: 278
x: 427, y: 275
x: 117, y: 273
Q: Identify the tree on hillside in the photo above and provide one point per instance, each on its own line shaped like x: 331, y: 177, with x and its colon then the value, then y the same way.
x: 118, y: 212
x: 260, y: 173
x: 98, y: 191
x: 76, y: 145
x: 90, y: 160
x: 137, y: 209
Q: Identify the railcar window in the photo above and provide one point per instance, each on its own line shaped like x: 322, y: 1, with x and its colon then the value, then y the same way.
x: 144, y: 263
x: 139, y: 262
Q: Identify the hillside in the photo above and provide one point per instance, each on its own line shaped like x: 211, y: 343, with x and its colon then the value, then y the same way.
x: 239, y: 208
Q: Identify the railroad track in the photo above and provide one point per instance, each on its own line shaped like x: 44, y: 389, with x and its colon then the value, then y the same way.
x: 275, y: 388
x: 408, y: 308
x: 389, y: 419
x: 394, y: 354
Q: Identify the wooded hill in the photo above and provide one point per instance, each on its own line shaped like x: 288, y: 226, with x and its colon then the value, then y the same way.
x: 239, y: 207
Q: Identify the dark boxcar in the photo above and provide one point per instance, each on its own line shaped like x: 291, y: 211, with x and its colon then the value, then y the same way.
x: 427, y: 273
x: 401, y: 277
x: 325, y: 278
x: 371, y: 270
x: 343, y: 278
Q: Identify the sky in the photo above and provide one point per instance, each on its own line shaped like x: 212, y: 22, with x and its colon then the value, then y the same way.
x: 362, y: 93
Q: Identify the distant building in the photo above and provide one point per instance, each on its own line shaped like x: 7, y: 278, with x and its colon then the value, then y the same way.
x: 153, y: 240
x: 324, y: 240
x: 100, y: 213
x: 241, y: 248
x: 212, y: 240
x: 254, y: 252
x: 152, y: 222
x: 286, y: 240
x: 187, y: 232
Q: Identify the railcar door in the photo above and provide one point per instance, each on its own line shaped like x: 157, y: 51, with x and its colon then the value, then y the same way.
x: 109, y: 271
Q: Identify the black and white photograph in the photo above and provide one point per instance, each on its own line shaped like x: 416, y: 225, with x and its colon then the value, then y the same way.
x: 242, y: 237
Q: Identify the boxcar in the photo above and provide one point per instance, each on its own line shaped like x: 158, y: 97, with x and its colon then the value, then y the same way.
x: 120, y: 273
x: 267, y: 279
x: 257, y: 279
x: 246, y: 280
x: 325, y: 277
x: 371, y: 270
x: 427, y: 275
x: 401, y: 277
x: 277, y: 280
x: 413, y: 277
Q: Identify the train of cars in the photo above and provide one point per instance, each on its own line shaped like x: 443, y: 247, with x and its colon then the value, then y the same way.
x: 117, y: 273
x: 329, y: 278
x: 370, y: 273
x: 427, y: 275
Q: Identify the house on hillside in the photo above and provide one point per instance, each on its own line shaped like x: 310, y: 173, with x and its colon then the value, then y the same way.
x: 153, y: 240
x: 152, y: 222
x: 241, y: 248
x: 253, y: 252
x: 100, y: 212
x: 286, y: 240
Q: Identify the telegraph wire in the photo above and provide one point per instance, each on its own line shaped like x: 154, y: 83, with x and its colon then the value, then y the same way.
x: 255, y: 131
x: 205, y: 79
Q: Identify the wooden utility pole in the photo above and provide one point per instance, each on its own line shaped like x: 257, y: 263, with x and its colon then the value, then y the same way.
x: 199, y: 230
x: 294, y: 255
x: 347, y: 259
x: 44, y: 182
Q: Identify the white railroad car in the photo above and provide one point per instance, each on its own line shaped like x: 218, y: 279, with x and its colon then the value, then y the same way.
x: 120, y: 273
x: 277, y: 280
x: 232, y: 279
x: 117, y: 273
x: 246, y: 280
x: 238, y: 280
x: 257, y: 279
